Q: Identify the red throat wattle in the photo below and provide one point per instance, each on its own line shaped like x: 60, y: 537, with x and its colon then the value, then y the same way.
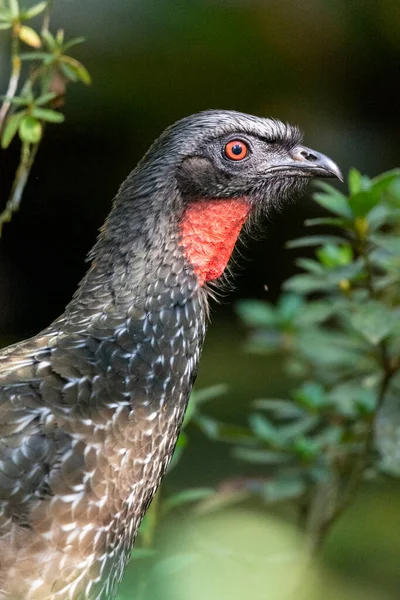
x: 209, y: 231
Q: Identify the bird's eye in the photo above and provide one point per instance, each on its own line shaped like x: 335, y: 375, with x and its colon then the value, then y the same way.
x: 236, y: 150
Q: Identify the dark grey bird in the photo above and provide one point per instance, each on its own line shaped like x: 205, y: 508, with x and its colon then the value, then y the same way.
x: 90, y: 408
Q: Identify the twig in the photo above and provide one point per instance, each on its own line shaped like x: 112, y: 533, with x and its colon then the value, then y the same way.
x: 27, y: 157
x: 14, y: 77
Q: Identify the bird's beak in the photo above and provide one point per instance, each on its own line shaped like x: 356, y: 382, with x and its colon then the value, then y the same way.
x: 314, y: 164
x: 304, y: 162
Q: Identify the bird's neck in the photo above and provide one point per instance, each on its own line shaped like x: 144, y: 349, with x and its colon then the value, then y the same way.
x: 209, y: 230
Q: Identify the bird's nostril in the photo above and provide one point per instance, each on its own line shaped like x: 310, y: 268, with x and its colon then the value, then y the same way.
x: 307, y: 155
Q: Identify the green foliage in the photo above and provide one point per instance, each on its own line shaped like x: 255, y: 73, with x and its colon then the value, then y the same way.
x: 28, y: 106
x: 336, y: 328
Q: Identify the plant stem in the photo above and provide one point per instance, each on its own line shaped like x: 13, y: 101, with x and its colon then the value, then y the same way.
x: 27, y: 157
x: 14, y: 77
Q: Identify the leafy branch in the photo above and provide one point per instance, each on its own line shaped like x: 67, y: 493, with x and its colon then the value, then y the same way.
x: 41, y: 94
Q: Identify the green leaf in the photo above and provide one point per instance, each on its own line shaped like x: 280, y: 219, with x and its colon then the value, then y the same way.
x: 307, y: 448
x: 209, y: 393
x: 14, y: 8
x: 16, y: 100
x: 263, y: 429
x: 261, y: 457
x: 5, y: 26
x: 390, y: 243
x: 256, y: 313
x: 299, y: 427
x: 383, y: 182
x: 45, y: 98
x: 315, y: 240
x: 222, y: 431
x: 333, y: 255
x: 354, y: 181
x: 5, y: 15
x: 73, y: 42
x: 374, y: 321
x: 333, y: 200
x: 11, y: 129
x: 74, y: 70
x: 312, y: 266
x: 311, y: 395
x: 46, y: 114
x: 186, y: 497
x: 289, y: 306
x: 35, y: 10
x: 68, y: 72
x: 315, y: 312
x: 305, y: 284
x: 279, y: 408
x: 334, y: 221
x: 30, y: 130
x: 50, y: 40
x: 35, y: 55
x: 363, y: 202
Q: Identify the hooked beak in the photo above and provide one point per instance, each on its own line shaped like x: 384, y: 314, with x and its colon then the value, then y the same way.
x: 314, y: 163
x: 305, y: 162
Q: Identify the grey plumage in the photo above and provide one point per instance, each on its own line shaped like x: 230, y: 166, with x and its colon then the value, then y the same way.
x: 90, y: 409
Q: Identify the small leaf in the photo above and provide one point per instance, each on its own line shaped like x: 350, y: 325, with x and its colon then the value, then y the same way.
x: 77, y: 68
x: 289, y: 306
x: 374, y: 321
x: 262, y: 457
x: 73, y: 42
x: 311, y: 395
x: 29, y: 36
x: 45, y: 114
x: 30, y: 130
x: 315, y: 240
x: 357, y: 182
x: 279, y: 408
x: 35, y: 55
x: 363, y: 202
x: 333, y: 200
x: 263, y: 429
x: 11, y: 129
x: 5, y: 15
x: 334, y: 221
x: 14, y: 8
x: 186, y: 497
x: 49, y: 39
x: 45, y: 98
x: 332, y: 255
x: 222, y: 431
x: 35, y: 10
x: 5, y: 26
x: 256, y: 313
x: 209, y: 393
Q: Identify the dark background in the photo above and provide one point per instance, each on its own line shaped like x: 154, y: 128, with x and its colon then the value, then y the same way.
x: 329, y: 66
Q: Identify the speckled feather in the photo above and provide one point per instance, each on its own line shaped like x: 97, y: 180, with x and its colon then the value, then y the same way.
x: 90, y: 409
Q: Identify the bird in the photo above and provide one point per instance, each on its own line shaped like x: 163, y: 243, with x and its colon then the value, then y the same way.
x: 91, y: 407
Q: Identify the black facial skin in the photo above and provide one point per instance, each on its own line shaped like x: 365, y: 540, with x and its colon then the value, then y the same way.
x: 276, y: 166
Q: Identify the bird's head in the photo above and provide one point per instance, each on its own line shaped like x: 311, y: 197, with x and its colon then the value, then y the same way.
x: 220, y: 166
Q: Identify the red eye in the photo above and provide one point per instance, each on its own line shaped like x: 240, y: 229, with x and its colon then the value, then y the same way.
x: 236, y: 150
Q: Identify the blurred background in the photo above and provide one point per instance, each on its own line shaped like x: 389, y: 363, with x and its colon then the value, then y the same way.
x: 329, y: 66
